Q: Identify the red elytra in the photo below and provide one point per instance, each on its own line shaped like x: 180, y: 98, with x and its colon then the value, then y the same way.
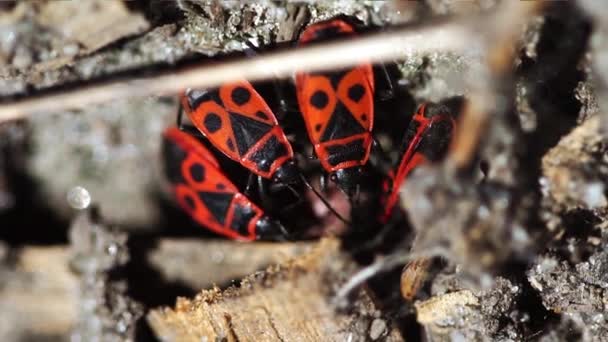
x: 239, y: 123
x: 207, y: 195
x: 337, y: 106
x: 411, y: 157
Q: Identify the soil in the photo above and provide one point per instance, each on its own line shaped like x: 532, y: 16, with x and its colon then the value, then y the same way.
x: 515, y: 242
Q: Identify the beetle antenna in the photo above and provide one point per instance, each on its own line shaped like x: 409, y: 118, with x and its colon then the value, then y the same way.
x: 284, y: 231
x: 325, y: 202
x: 293, y: 191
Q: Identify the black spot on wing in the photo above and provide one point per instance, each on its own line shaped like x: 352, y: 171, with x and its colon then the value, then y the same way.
x: 212, y: 122
x: 197, y: 171
x: 240, y: 219
x: 341, y: 125
x: 356, y: 92
x: 319, y: 99
x: 217, y: 203
x: 247, y: 131
x: 240, y: 95
x: 354, y: 150
x: 272, y: 150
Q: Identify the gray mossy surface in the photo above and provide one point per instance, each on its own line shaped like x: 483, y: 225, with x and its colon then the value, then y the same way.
x: 523, y: 251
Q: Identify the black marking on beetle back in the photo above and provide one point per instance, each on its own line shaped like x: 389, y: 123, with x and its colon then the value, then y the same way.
x: 173, y: 156
x: 197, y: 171
x: 217, y: 203
x: 240, y: 95
x: 436, y: 140
x: 247, y: 131
x: 356, y: 92
x: 240, y: 219
x: 327, y: 33
x: 189, y: 202
x: 212, y: 122
x: 230, y: 144
x: 317, y: 127
x: 319, y: 99
x: 270, y: 151
x: 196, y: 97
x: 336, y: 77
x: 220, y: 186
x: 261, y: 115
x: 341, y: 125
x: 354, y: 150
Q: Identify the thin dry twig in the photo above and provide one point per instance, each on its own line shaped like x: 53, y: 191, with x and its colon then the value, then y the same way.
x: 379, y: 47
x: 500, y: 43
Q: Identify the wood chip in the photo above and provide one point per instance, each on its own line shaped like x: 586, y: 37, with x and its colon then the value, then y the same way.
x: 40, y: 296
x: 218, y: 261
x: 74, y: 20
x: 284, y: 303
x: 442, y: 307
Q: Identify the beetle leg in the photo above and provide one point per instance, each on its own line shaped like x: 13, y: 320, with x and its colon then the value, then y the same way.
x: 299, y: 201
x: 323, y: 183
x: 384, y: 163
x: 263, y: 192
x: 389, y: 87
x: 390, y: 92
x: 180, y: 112
x: 250, y: 182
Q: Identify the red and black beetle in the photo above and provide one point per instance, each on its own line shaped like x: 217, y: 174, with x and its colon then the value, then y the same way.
x: 239, y: 123
x: 338, y: 110
x: 426, y: 140
x: 208, y: 196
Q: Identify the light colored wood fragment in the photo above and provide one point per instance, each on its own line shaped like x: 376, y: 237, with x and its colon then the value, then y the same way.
x: 40, y: 296
x: 112, y: 21
x: 283, y: 303
x: 442, y: 307
x: 218, y: 261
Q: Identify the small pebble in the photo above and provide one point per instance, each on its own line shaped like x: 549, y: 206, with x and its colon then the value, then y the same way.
x: 378, y: 329
x: 79, y: 198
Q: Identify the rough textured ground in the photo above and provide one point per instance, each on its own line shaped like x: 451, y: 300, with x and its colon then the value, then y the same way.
x: 520, y: 246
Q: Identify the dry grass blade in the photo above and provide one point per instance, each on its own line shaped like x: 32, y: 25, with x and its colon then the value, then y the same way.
x: 379, y: 47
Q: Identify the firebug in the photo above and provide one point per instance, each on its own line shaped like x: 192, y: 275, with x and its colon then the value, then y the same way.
x: 208, y: 196
x: 239, y: 123
x: 338, y: 110
x: 426, y: 140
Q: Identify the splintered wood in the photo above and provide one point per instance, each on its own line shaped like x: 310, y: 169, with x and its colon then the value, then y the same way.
x: 218, y: 261
x: 73, y: 19
x: 38, y: 295
x: 290, y: 302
